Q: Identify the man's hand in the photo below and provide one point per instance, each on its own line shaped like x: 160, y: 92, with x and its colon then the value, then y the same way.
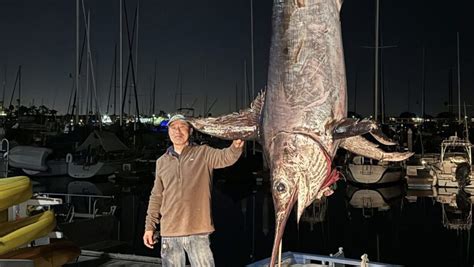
x: 238, y: 143
x: 148, y: 239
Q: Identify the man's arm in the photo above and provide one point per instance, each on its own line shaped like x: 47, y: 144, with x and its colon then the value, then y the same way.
x: 221, y: 158
x: 154, y: 204
x: 153, y: 212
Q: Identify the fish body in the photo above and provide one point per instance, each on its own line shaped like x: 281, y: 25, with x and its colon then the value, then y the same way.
x: 305, y: 100
x: 301, y: 119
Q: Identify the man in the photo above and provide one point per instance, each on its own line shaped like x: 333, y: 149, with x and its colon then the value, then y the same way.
x: 180, y: 200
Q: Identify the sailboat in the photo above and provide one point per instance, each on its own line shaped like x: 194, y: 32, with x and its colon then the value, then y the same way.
x: 102, y: 153
x: 361, y: 170
x: 452, y: 166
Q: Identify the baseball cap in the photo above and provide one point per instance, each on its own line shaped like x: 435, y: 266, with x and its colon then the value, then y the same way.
x: 176, y: 118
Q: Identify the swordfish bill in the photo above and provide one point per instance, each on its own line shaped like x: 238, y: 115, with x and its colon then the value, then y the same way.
x: 301, y: 119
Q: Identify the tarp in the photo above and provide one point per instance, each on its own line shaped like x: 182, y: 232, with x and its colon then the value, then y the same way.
x: 29, y: 157
x: 107, y: 140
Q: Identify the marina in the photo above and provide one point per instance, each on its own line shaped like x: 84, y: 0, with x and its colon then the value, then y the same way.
x: 391, y: 224
x: 342, y: 133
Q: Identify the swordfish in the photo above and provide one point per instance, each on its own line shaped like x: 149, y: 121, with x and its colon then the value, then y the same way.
x: 301, y: 118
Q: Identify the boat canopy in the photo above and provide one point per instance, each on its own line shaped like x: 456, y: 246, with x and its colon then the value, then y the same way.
x: 107, y: 140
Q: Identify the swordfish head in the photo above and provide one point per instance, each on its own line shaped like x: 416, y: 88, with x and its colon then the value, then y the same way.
x: 300, y: 168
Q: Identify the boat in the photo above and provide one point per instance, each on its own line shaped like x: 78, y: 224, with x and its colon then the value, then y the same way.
x: 54, y: 254
x: 455, y: 155
x: 56, y: 167
x: 452, y: 167
x: 14, y: 190
x: 418, y: 172
x: 362, y: 170
x: 101, y: 154
x: 14, y: 234
x: 29, y: 157
x: 36, y: 161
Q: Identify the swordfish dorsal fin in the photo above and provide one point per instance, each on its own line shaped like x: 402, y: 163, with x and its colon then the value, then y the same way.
x: 238, y: 125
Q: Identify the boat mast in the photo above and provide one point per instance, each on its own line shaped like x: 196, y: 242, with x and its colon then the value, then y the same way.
x: 86, y: 98
x: 120, y: 63
x: 4, y: 85
x: 77, y: 62
x: 252, y: 51
x: 253, y: 64
x: 459, y: 80
x: 19, y: 90
x: 154, y: 91
x: 136, y: 44
x: 376, y: 63
x: 423, y: 83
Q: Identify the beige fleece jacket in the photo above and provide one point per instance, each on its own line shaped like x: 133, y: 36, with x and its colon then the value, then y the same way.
x: 180, y: 200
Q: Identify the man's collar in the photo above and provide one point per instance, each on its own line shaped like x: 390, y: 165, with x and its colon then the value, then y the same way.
x: 170, y: 150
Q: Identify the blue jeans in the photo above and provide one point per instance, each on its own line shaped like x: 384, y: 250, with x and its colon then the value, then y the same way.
x: 196, y: 246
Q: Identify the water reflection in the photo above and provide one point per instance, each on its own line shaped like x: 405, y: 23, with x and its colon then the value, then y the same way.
x: 452, y: 220
x: 315, y: 213
x: 388, y: 223
x: 371, y: 200
x: 456, y: 205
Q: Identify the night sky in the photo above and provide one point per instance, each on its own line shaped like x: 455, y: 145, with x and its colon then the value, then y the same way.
x: 209, y: 41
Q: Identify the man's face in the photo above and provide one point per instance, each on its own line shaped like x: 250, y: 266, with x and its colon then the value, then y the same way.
x: 179, y: 132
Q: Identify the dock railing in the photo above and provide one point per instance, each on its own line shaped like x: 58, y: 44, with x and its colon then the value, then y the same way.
x: 92, y: 201
x: 337, y: 260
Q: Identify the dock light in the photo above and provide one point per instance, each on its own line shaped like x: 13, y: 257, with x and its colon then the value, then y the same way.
x: 106, y: 119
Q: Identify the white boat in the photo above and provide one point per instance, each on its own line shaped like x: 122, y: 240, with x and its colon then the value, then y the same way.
x: 418, y: 175
x: 102, y: 153
x: 452, y: 167
x: 36, y: 161
x: 29, y: 157
x: 455, y: 155
x: 361, y: 170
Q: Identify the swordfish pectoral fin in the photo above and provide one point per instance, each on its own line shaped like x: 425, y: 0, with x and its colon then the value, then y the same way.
x: 381, y: 137
x: 238, y: 125
x: 361, y: 146
x: 349, y: 127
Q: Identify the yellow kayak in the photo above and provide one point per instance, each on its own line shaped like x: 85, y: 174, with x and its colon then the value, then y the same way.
x: 17, y: 233
x: 14, y: 190
x: 51, y: 255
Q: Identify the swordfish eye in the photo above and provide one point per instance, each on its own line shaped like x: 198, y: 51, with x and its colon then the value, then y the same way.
x: 280, y: 187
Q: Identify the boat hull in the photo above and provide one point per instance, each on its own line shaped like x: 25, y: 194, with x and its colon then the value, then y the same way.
x: 29, y: 157
x: 373, y: 173
x: 101, y: 168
